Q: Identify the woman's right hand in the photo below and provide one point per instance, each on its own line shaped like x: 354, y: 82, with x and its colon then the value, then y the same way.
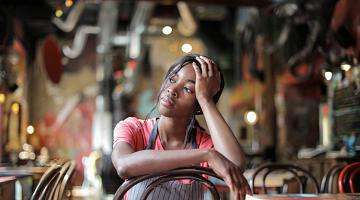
x: 231, y: 173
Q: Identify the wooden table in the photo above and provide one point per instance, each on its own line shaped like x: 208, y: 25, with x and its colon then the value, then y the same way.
x: 7, y: 187
x: 27, y: 176
x: 352, y: 196
x: 36, y: 172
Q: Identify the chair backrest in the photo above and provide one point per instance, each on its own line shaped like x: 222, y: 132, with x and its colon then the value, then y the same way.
x: 51, y: 194
x: 195, y: 173
x: 64, y: 183
x: 344, y: 177
x: 355, y: 181
x: 45, y: 193
x: 327, y: 181
x: 53, y: 182
x: 296, y: 171
x: 47, y: 178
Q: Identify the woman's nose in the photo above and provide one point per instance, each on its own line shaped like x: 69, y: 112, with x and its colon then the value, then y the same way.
x: 172, y: 91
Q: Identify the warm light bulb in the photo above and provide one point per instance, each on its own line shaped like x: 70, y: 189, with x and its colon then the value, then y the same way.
x: 68, y: 3
x: 167, y: 30
x: 328, y: 75
x: 345, y: 66
x: 30, y: 129
x: 251, y: 117
x: 58, y: 13
x: 186, y: 48
x: 2, y: 98
x: 15, y: 108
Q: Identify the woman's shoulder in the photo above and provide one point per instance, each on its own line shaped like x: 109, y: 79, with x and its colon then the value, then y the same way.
x: 134, y: 131
x: 135, y: 122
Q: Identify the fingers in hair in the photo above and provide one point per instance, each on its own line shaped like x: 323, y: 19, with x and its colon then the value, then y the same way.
x: 196, y: 69
x: 204, y: 66
x: 209, y: 64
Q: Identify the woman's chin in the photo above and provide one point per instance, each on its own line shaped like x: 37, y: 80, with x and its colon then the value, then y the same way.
x: 166, y: 112
x: 172, y: 113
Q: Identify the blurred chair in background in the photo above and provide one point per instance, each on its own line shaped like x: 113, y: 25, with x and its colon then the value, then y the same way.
x: 349, y: 174
x: 54, y: 181
x: 300, y: 175
x: 331, y: 177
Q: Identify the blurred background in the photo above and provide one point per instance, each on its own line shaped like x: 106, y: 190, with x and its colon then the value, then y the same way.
x: 71, y: 69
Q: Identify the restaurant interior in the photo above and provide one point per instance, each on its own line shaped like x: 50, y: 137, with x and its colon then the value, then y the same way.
x: 70, y: 70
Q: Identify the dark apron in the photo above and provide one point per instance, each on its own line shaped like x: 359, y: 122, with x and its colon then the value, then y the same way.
x: 169, y: 190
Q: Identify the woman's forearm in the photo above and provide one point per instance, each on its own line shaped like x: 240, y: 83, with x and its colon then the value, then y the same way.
x: 152, y: 161
x: 221, y: 134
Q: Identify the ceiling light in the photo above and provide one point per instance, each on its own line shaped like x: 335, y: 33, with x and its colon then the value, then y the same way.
x: 58, y: 13
x: 30, y: 129
x: 68, y: 3
x: 167, y: 30
x: 186, y: 48
x: 328, y: 75
x: 251, y: 117
x: 345, y: 66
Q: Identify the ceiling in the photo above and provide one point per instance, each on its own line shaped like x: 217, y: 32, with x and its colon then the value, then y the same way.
x: 36, y: 16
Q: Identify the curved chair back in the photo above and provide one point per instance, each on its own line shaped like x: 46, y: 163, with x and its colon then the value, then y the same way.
x: 297, y: 171
x: 195, y: 173
x: 46, y: 180
x: 355, y: 181
x: 344, y: 177
x: 327, y: 181
x: 52, y: 193
x: 64, y: 182
x: 52, y: 184
x: 45, y: 194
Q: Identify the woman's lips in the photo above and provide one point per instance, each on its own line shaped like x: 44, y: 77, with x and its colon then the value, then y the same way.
x: 167, y: 102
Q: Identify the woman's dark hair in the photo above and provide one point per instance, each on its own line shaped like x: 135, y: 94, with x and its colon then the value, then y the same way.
x: 175, y: 68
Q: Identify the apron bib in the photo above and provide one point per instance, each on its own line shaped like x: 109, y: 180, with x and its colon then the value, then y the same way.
x: 172, y: 190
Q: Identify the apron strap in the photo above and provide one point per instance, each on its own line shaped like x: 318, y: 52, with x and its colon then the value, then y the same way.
x: 193, y: 138
x: 153, y: 135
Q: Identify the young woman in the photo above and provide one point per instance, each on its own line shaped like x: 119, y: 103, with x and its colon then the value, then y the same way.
x: 192, y: 86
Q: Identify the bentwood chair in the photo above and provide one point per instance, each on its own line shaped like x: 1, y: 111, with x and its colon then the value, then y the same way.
x: 65, y: 173
x: 194, y: 173
x: 60, y: 190
x: 331, y: 177
x: 298, y: 173
x: 54, y: 181
x: 354, y: 181
x: 349, y: 178
x: 46, y: 181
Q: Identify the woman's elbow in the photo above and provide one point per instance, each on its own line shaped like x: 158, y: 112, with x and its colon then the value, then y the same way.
x: 122, y: 171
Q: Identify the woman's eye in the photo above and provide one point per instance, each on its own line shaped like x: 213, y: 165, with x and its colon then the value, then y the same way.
x: 187, y: 90
x: 171, y: 80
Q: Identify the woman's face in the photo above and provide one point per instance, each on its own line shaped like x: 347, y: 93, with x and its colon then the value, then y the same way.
x: 178, y: 97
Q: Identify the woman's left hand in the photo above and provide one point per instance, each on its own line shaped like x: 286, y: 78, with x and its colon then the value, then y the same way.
x: 230, y: 173
x: 207, y: 79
